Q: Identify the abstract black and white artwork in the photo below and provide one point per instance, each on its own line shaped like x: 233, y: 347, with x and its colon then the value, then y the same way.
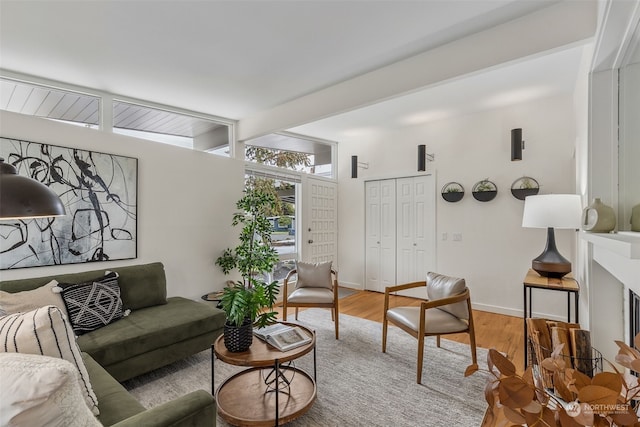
x: 99, y: 192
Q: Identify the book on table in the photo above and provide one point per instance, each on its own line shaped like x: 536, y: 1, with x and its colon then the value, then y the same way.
x: 283, y: 337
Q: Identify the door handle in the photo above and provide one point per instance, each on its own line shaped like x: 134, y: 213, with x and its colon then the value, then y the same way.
x: 310, y: 241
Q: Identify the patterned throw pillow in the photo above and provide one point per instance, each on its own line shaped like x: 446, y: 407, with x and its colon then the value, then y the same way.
x: 92, y: 305
x: 45, y: 331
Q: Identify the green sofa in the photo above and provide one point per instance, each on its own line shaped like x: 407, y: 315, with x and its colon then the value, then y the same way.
x: 158, y: 331
x: 119, y: 409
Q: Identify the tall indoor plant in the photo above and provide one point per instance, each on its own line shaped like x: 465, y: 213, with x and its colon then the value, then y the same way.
x: 250, y: 301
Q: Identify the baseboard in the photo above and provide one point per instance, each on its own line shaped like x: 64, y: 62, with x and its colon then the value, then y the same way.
x: 351, y: 285
x: 514, y: 312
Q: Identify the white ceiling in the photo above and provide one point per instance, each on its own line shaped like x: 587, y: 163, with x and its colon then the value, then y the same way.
x: 236, y: 59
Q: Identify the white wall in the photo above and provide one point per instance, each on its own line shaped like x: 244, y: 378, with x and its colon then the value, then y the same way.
x: 186, y: 200
x: 495, y: 251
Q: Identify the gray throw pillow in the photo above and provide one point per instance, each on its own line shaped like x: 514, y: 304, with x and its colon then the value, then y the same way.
x: 314, y: 275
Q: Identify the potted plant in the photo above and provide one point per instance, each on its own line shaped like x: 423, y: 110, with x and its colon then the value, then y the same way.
x: 523, y: 187
x: 452, y: 192
x: 484, y: 190
x: 245, y: 301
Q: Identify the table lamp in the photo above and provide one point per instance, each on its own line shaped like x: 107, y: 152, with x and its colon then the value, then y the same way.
x: 552, y: 211
x: 22, y: 197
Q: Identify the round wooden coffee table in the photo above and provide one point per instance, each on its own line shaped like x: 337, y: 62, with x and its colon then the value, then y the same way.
x: 250, y: 398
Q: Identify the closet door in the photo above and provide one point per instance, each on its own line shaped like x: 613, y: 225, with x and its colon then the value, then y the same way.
x: 380, y: 238
x: 416, y: 244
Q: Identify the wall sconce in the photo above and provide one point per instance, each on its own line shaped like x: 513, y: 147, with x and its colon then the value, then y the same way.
x: 424, y: 157
x: 517, y: 144
x: 355, y: 164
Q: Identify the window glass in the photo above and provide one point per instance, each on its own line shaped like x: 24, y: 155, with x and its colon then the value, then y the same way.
x: 50, y: 103
x: 170, y: 127
x: 283, y: 219
x: 292, y: 152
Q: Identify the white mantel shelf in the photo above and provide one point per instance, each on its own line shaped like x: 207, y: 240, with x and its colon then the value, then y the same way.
x: 625, y: 243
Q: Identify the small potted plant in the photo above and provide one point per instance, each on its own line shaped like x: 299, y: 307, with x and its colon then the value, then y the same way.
x: 484, y: 190
x: 245, y: 301
x: 523, y: 187
x: 452, y: 192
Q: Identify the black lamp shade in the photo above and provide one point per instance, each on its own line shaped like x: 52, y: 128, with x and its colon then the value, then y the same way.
x: 22, y: 197
x: 516, y: 144
x: 422, y: 158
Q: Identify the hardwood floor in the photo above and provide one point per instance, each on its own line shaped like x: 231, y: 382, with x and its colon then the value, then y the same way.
x: 501, y: 332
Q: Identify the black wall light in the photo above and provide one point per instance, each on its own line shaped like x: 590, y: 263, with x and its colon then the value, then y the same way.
x: 517, y: 144
x: 355, y: 164
x: 423, y: 158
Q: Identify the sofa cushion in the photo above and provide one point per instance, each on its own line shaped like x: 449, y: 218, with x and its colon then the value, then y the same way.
x: 45, y: 331
x: 93, y: 304
x: 19, y: 302
x: 151, y: 328
x: 141, y: 285
x: 115, y: 402
x: 41, y: 391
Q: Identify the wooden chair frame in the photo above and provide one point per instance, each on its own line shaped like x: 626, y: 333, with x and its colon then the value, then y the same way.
x: 421, y: 334
x: 332, y: 305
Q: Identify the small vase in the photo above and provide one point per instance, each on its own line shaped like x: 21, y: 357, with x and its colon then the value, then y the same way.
x: 598, y: 217
x: 238, y: 338
x: 635, y: 218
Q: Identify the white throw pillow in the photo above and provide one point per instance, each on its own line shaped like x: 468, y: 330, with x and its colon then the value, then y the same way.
x: 19, y: 302
x: 45, y: 331
x: 41, y: 391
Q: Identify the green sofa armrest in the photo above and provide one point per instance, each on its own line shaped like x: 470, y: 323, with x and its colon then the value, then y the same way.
x: 195, y: 409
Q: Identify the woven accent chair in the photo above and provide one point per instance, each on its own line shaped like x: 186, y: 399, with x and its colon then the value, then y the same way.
x: 316, y: 286
x: 446, y: 311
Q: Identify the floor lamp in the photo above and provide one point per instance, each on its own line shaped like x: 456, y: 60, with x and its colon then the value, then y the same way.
x: 552, y: 211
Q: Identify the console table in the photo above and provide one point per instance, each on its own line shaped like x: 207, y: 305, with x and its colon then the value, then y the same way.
x: 535, y: 281
x: 271, y: 391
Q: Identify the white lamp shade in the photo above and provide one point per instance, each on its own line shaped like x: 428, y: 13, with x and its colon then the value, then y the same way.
x: 552, y: 210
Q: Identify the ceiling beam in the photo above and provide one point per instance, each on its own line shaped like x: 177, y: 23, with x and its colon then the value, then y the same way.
x: 560, y: 25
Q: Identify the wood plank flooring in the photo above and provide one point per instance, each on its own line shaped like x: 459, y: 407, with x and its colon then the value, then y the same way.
x: 501, y: 332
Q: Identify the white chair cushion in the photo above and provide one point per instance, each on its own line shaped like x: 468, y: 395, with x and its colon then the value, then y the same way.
x: 41, y: 391
x: 311, y: 295
x: 436, y: 321
x: 440, y: 286
x: 314, y: 275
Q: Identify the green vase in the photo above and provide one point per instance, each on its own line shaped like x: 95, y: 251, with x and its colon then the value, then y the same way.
x: 635, y: 218
x: 598, y: 217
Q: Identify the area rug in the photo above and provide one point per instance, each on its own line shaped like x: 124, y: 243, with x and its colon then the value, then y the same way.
x: 357, y: 384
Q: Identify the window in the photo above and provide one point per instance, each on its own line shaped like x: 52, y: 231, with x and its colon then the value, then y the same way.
x: 293, y: 152
x: 170, y: 127
x: 284, y: 237
x: 50, y: 103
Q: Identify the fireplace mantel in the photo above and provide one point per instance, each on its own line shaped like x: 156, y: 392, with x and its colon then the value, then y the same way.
x: 619, y: 254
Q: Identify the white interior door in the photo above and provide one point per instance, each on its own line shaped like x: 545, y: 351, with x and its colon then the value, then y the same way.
x: 380, y: 235
x: 319, y: 220
x: 416, y: 229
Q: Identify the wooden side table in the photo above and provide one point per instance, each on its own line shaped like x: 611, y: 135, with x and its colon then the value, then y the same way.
x: 566, y: 284
x: 253, y: 397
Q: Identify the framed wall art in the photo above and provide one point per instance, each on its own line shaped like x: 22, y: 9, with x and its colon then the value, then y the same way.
x: 99, y: 192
